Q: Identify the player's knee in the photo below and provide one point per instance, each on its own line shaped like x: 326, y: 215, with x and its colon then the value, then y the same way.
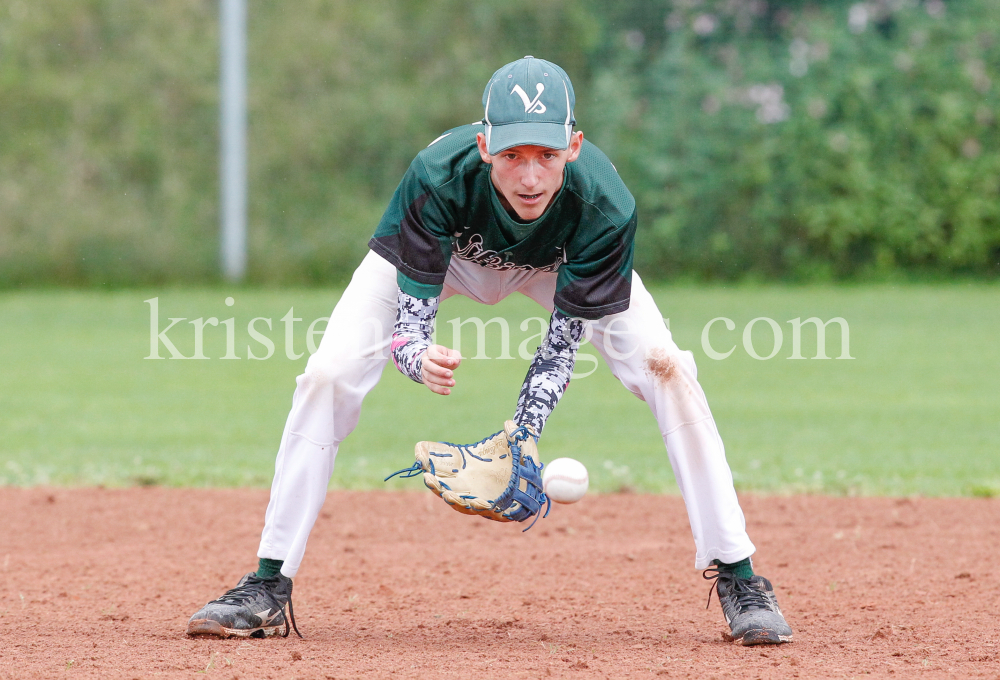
x: 324, y: 376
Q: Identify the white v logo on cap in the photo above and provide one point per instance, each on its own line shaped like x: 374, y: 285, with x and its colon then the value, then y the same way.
x: 547, y: 124
x: 531, y: 105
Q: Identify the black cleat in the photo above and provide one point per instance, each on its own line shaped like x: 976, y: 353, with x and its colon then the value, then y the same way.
x: 254, y: 608
x: 750, y: 608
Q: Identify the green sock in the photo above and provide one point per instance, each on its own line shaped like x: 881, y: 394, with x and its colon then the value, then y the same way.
x: 741, y: 569
x: 268, y: 568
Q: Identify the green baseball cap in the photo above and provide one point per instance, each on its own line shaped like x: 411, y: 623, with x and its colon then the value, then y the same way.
x: 528, y: 101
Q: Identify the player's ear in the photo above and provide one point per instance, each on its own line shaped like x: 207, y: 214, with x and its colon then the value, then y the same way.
x: 575, y: 145
x: 481, y: 143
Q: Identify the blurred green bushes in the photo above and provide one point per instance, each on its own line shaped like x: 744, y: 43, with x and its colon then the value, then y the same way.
x: 815, y: 140
x: 764, y: 139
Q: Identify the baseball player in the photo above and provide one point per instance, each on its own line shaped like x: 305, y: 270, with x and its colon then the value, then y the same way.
x: 518, y: 202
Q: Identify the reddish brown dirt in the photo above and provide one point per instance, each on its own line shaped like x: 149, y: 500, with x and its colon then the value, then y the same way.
x: 100, y: 583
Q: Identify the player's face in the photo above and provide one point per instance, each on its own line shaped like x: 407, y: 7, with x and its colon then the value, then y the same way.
x: 529, y: 177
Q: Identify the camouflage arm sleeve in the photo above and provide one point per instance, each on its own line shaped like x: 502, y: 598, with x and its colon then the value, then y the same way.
x: 550, y: 371
x: 411, y: 335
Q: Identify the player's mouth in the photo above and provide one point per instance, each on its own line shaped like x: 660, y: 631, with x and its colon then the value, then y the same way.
x: 530, y: 198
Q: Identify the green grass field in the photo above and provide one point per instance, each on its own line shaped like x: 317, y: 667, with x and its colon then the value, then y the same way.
x: 916, y: 411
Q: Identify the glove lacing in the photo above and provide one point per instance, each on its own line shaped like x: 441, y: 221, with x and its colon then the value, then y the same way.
x: 416, y: 469
x: 406, y: 473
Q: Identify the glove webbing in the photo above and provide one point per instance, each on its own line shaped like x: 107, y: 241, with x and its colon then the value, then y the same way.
x: 531, y: 499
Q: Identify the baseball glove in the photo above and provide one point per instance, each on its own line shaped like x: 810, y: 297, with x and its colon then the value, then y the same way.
x: 497, y: 478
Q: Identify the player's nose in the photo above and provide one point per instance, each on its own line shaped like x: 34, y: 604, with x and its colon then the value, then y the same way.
x: 530, y: 177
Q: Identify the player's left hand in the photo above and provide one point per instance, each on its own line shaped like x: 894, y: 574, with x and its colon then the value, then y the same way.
x: 497, y: 478
x: 437, y: 368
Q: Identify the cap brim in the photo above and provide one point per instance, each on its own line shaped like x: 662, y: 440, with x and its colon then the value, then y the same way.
x: 502, y: 137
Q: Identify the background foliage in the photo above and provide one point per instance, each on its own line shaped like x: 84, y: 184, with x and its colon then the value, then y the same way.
x: 762, y: 139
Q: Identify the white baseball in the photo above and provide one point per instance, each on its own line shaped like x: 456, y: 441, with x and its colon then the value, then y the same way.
x: 565, y: 480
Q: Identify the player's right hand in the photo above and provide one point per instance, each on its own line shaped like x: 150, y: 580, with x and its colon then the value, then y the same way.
x: 437, y: 368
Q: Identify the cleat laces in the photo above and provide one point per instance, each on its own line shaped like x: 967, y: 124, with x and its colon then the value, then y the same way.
x: 746, y: 596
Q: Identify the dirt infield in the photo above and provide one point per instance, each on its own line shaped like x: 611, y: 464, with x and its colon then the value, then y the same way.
x: 100, y: 583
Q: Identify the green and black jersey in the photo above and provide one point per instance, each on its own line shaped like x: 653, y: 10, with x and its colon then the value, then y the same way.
x: 446, y: 206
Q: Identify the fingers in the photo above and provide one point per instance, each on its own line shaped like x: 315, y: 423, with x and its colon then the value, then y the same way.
x: 444, y: 356
x: 436, y: 368
x: 437, y: 378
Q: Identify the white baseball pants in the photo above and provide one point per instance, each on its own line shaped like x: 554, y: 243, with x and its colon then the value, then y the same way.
x: 635, y: 344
